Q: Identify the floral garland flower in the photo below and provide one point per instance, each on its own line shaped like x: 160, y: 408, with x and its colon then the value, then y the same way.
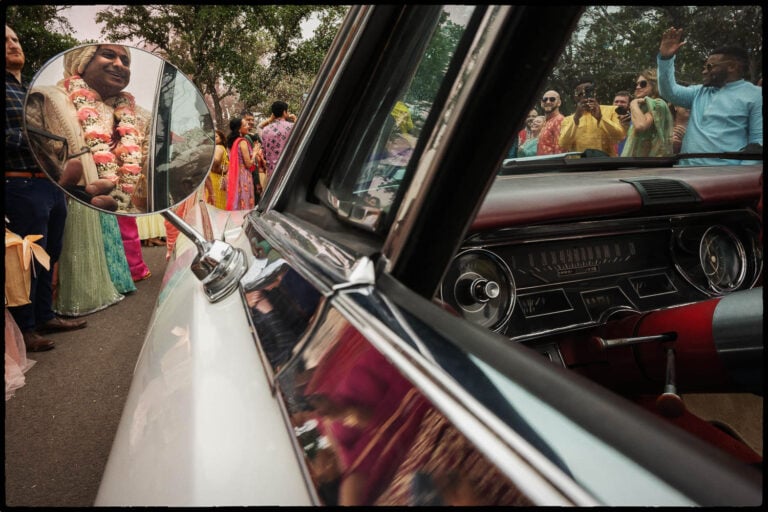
x: 118, y: 162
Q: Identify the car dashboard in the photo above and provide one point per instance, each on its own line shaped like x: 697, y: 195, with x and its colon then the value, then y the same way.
x: 596, y: 246
x: 529, y: 282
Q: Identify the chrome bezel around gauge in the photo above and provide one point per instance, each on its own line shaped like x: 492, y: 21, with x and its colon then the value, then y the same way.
x: 688, y: 245
x: 480, y: 286
x: 736, y: 254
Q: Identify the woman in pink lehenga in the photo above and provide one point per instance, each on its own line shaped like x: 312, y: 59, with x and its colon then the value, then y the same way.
x: 241, y: 164
x: 129, y: 231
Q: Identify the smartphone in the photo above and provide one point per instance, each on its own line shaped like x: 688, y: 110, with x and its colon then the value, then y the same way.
x: 589, y: 92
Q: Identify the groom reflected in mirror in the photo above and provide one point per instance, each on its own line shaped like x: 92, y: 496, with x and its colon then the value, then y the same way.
x: 100, y: 124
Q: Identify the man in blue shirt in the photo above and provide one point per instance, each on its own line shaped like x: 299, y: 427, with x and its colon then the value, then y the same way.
x: 726, y: 110
x: 34, y: 205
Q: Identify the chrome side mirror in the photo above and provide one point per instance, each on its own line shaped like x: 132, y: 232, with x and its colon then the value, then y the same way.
x: 121, y: 123
x: 122, y: 130
x: 218, y: 265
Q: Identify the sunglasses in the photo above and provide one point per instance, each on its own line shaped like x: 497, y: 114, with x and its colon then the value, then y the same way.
x: 709, y: 66
x: 642, y: 84
x: 548, y: 98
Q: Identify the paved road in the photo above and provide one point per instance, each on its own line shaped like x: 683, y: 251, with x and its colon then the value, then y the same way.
x: 59, y: 427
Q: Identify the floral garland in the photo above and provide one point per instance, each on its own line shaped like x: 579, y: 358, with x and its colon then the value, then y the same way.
x: 118, y: 162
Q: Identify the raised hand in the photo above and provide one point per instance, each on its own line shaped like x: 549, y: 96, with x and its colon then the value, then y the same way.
x: 671, y: 41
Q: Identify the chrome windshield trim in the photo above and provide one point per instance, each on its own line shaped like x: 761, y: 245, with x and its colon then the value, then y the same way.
x: 429, y: 165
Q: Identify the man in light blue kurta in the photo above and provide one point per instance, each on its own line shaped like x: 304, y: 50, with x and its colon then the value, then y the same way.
x: 726, y: 110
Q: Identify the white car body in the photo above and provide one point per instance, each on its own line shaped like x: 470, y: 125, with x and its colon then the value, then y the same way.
x: 200, y: 410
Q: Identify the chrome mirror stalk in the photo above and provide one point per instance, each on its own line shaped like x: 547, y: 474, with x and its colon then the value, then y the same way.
x: 218, y: 265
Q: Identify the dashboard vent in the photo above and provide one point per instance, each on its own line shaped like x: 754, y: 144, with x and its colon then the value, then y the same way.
x: 660, y: 191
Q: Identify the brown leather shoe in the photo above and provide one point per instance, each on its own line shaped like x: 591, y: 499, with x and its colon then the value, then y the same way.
x: 57, y: 324
x: 36, y: 343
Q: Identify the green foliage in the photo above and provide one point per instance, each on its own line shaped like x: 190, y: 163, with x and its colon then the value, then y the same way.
x: 614, y: 44
x: 252, y: 55
x: 435, y: 62
x: 249, y: 52
x: 38, y: 28
x: 293, y: 61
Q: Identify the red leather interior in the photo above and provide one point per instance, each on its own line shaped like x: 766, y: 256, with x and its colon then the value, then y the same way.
x: 641, y: 368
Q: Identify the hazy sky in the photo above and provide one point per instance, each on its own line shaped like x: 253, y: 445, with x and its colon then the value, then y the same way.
x: 82, y: 19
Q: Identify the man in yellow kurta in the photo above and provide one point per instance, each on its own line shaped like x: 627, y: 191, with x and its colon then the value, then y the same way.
x: 592, y: 126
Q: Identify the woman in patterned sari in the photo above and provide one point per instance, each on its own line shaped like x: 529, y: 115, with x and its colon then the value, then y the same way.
x: 241, y: 164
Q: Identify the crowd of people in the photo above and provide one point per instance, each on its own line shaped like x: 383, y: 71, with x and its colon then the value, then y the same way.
x: 661, y: 118
x: 84, y: 259
x: 245, y: 160
x: 94, y: 258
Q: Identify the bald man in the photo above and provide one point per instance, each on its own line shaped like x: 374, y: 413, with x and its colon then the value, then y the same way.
x: 550, y: 133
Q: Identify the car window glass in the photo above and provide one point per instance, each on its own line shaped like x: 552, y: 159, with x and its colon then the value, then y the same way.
x: 368, y: 436
x: 608, y: 96
x: 380, y: 176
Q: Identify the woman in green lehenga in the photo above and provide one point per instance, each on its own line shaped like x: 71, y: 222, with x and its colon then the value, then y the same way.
x: 651, y: 131
x: 84, y: 283
x: 119, y: 271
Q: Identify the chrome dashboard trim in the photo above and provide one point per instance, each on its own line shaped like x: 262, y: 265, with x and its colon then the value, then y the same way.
x: 741, y: 253
x: 505, y: 270
x: 672, y: 272
x: 565, y: 296
x: 631, y: 279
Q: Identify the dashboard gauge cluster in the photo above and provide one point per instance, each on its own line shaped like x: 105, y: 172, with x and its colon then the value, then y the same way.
x: 719, y: 257
x: 528, y: 282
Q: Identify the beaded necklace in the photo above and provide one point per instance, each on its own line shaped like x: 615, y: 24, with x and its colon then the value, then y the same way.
x: 118, y: 162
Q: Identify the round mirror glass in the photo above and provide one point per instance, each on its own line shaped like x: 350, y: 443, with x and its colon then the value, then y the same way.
x: 119, y: 128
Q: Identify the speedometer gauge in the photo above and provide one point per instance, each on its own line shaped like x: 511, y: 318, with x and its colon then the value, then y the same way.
x: 479, y: 285
x: 722, y: 259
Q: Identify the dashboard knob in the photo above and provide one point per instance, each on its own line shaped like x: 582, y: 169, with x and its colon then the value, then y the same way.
x: 484, y: 290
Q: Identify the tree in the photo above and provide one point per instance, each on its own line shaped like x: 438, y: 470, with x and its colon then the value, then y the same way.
x: 229, y: 50
x: 614, y: 44
x: 435, y: 62
x: 291, y: 62
x: 38, y: 28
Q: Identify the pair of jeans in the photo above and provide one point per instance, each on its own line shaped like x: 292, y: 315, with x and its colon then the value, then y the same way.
x: 36, y: 206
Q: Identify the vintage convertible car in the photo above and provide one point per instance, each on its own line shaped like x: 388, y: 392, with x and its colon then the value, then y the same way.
x: 407, y: 318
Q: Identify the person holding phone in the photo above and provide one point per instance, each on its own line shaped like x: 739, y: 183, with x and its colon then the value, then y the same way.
x: 592, y: 126
x: 651, y: 131
x: 621, y: 101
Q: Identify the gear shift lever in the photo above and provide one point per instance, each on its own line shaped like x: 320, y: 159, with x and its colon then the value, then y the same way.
x: 669, y: 402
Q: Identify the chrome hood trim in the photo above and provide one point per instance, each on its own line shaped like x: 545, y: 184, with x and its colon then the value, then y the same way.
x: 326, y: 264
